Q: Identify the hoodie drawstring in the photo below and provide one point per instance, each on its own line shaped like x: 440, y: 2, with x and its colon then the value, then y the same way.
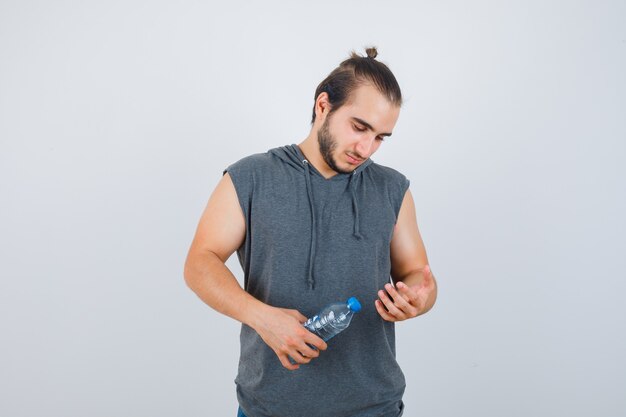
x: 355, y: 177
x: 355, y: 208
x: 309, y: 189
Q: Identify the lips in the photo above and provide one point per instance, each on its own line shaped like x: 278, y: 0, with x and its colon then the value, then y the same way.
x: 353, y: 160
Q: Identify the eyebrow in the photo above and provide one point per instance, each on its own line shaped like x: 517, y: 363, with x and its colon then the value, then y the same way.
x: 367, y: 125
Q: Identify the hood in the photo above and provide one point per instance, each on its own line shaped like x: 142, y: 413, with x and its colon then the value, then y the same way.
x: 293, y: 156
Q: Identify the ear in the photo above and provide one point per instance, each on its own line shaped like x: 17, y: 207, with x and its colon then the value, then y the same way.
x: 322, y: 106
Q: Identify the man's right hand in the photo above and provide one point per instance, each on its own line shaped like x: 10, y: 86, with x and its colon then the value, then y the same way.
x: 221, y: 230
x: 282, y: 330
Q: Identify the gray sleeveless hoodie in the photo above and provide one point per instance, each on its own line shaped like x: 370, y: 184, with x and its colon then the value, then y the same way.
x: 312, y: 241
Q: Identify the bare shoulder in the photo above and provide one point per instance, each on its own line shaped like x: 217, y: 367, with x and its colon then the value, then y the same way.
x: 222, y: 227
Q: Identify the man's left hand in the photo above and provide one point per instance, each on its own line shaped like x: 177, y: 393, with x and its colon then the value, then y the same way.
x: 405, y: 301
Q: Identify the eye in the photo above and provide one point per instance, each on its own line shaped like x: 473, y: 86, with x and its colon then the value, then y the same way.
x: 380, y: 138
x: 358, y: 128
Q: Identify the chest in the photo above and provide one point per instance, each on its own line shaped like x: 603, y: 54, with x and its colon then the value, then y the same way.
x: 287, y: 211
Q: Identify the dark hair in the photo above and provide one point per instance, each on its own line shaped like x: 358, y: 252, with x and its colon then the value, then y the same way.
x: 354, y: 72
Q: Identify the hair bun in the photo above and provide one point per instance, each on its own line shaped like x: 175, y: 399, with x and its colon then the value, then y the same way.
x: 371, y: 52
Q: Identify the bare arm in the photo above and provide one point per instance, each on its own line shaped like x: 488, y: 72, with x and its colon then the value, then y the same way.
x: 416, y: 288
x: 220, y: 232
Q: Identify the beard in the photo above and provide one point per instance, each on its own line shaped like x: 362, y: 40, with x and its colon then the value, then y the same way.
x: 328, y: 145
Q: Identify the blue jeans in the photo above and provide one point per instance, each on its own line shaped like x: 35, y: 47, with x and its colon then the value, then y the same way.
x: 240, y: 413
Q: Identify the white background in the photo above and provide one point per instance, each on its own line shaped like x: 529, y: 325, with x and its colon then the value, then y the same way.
x: 117, y: 119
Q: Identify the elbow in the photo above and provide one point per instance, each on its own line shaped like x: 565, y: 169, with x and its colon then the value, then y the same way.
x: 190, y: 272
x: 196, y: 266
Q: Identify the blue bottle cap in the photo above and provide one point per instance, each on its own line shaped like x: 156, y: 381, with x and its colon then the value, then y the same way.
x: 354, y: 305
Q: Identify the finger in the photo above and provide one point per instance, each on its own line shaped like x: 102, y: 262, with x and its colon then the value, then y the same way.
x: 412, y: 294
x: 318, y: 342
x: 408, y: 299
x: 309, y: 351
x: 284, y: 360
x: 407, y: 292
x: 398, y: 299
x: 391, y: 308
x: 299, y: 358
x: 402, y: 302
x: 383, y: 313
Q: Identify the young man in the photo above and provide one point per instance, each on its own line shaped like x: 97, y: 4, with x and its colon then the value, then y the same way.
x: 312, y: 224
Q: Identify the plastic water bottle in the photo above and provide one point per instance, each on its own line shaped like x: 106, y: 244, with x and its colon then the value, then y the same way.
x: 333, y: 319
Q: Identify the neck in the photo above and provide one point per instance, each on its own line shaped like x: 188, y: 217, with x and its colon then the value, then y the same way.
x: 311, y: 150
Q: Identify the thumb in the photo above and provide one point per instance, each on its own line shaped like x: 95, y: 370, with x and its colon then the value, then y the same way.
x: 427, y: 271
x: 428, y: 276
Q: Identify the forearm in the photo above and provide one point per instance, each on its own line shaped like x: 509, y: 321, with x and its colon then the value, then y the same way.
x: 215, y: 284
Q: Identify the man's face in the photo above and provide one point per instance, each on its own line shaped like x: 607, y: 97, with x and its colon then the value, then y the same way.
x: 354, y: 132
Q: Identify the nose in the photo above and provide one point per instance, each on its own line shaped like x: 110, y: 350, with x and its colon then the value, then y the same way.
x: 365, y: 145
